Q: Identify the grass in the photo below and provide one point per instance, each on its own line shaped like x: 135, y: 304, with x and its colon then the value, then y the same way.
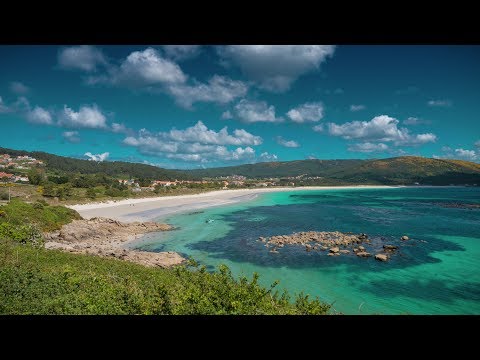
x: 38, y: 281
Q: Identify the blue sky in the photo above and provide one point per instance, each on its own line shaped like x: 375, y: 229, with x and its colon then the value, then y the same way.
x: 183, y: 106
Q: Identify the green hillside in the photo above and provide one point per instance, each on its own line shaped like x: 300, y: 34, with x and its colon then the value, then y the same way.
x: 112, y: 168
x: 400, y: 170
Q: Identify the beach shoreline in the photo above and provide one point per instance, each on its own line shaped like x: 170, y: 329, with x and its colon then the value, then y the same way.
x: 147, y: 209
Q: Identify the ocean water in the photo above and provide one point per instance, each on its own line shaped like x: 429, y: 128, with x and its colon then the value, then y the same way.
x: 436, y: 272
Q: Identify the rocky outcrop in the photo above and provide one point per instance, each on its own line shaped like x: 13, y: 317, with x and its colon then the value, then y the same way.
x: 381, y: 257
x: 107, y: 238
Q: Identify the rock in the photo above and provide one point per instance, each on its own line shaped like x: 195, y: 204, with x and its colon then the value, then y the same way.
x: 345, y: 251
x: 334, y: 250
x: 381, y: 257
x: 363, y: 254
x: 356, y: 250
x: 331, y: 254
x: 361, y: 248
x: 275, y: 251
x: 390, y: 247
x: 404, y: 237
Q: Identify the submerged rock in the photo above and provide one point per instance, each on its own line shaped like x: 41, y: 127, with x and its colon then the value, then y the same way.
x: 390, y: 247
x: 334, y: 250
x: 363, y: 254
x: 404, y: 237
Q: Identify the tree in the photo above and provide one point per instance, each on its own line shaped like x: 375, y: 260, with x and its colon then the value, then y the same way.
x: 35, y: 176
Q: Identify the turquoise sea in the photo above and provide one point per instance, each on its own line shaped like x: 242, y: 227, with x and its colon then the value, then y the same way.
x: 436, y: 272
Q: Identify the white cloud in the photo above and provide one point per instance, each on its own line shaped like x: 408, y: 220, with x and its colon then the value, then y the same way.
x: 84, y: 57
x: 97, y: 157
x: 196, y: 143
x: 380, y: 128
x: 318, y: 128
x: 439, y: 103
x: 287, y: 143
x: 147, y: 67
x: 71, y: 136
x: 306, y: 112
x: 200, y: 133
x: 357, y: 107
x: 86, y: 117
x: 466, y: 154
x: 368, y: 147
x: 276, y: 67
x: 181, y: 52
x: 255, y: 111
x: 227, y: 115
x: 416, y: 121
x: 18, y: 88
x: 265, y: 156
x: 39, y: 116
x: 121, y: 129
x: 477, y: 144
x: 219, y: 89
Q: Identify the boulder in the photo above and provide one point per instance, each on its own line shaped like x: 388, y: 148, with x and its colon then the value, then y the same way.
x: 404, y: 237
x: 361, y: 248
x: 331, y: 254
x: 381, y: 257
x: 345, y: 251
x: 334, y: 250
x: 390, y: 247
x: 363, y: 254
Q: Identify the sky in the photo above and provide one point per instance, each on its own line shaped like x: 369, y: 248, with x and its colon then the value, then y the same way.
x: 193, y: 106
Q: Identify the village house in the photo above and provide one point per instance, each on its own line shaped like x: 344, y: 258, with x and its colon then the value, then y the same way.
x: 5, y: 176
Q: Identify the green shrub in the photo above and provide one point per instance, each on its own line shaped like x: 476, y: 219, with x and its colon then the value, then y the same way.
x: 3, y: 195
x: 25, y: 234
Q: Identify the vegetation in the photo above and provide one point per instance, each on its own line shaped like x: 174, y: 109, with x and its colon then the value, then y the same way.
x: 401, y: 170
x: 44, y: 217
x: 111, y: 168
x: 34, y: 280
x: 38, y: 281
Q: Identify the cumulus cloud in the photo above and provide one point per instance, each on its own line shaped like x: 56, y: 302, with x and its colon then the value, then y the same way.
x: 380, y: 128
x: 466, y: 154
x: 439, y: 103
x: 121, y: 129
x: 308, y: 112
x: 219, y: 89
x: 86, y: 58
x: 287, y: 143
x: 265, y: 156
x: 181, y: 52
x: 318, y: 128
x: 39, y: 116
x: 227, y: 115
x: 147, y: 67
x: 196, y: 144
x: 357, y: 107
x: 86, y: 117
x: 255, y: 111
x: 276, y: 67
x: 460, y: 153
x: 368, y: 147
x: 97, y: 157
x: 71, y: 136
x: 18, y: 88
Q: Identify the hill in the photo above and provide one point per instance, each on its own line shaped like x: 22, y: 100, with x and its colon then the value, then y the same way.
x: 399, y: 170
x: 113, y: 168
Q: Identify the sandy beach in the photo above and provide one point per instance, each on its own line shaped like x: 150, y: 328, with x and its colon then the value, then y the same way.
x: 146, y: 209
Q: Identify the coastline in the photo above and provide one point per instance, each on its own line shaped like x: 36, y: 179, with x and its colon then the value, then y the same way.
x: 146, y: 209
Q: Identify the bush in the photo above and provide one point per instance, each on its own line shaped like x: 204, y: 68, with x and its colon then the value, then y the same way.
x: 25, y: 234
x: 3, y: 195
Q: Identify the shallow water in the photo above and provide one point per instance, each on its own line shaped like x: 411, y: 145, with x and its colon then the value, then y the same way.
x: 436, y: 272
